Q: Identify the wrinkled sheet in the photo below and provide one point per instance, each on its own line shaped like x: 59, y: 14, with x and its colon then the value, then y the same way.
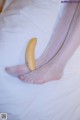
x: 56, y: 100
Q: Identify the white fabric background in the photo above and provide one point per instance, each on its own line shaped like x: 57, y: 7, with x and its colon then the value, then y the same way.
x: 20, y: 22
x: 56, y: 100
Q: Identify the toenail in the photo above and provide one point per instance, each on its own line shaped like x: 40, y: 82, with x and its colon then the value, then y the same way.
x: 21, y: 77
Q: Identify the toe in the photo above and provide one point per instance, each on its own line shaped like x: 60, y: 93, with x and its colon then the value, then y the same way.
x: 17, y: 70
x: 9, y: 70
x: 21, y: 77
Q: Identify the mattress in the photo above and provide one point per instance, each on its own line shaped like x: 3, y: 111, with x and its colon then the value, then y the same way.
x: 56, y: 100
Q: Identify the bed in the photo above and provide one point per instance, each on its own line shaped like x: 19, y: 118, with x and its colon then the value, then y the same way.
x: 56, y: 100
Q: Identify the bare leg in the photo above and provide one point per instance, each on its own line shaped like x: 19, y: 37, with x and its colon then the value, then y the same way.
x: 55, y: 43
x: 53, y: 70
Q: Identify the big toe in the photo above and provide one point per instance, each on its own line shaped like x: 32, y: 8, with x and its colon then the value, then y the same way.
x: 10, y: 71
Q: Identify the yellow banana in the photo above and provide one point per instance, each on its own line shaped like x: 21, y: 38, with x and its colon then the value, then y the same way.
x: 30, y: 54
x: 2, y: 2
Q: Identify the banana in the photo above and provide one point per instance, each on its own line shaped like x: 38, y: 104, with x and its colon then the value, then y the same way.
x: 30, y: 54
x: 2, y: 2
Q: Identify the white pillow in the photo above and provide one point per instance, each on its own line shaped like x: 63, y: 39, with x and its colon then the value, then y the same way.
x: 22, y: 20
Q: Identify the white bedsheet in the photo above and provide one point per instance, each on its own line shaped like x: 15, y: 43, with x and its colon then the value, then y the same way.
x: 19, y: 25
x: 56, y: 100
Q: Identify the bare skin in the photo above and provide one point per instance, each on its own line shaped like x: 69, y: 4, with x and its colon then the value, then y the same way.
x: 54, y: 45
x: 53, y: 70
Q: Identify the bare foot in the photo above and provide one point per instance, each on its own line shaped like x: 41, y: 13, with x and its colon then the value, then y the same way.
x: 45, y: 73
